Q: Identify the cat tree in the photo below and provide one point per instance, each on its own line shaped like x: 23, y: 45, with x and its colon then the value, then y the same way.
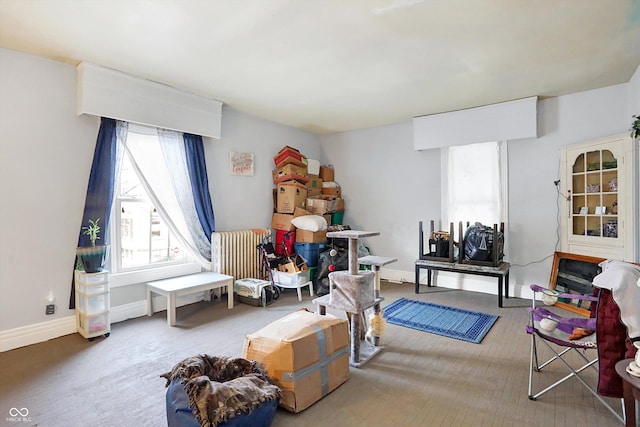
x: 354, y: 291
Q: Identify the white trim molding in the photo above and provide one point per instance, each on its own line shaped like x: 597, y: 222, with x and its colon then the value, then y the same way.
x: 497, y: 122
x: 109, y: 93
x: 38, y: 332
x: 45, y: 331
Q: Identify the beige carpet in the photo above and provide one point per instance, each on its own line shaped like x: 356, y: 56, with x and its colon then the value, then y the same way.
x: 419, y: 379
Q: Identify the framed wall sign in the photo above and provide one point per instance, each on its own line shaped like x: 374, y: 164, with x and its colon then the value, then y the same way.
x: 241, y: 163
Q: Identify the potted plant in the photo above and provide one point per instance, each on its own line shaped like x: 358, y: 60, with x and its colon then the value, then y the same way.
x: 635, y: 127
x: 92, y: 258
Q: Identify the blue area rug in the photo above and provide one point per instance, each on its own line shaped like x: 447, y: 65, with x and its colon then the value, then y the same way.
x: 438, y: 319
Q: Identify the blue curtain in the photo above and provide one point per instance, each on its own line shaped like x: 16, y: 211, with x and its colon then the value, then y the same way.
x: 100, y: 188
x: 199, y: 182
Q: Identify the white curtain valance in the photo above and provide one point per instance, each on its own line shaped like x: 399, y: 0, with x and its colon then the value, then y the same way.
x: 109, y: 93
x: 497, y: 122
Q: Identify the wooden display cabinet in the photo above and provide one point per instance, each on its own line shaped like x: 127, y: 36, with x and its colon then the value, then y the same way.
x: 598, y: 215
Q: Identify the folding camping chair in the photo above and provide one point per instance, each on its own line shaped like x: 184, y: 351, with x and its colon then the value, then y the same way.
x: 558, y: 330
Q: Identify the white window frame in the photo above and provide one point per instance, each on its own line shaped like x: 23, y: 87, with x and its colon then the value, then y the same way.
x: 119, y: 277
x: 504, y: 190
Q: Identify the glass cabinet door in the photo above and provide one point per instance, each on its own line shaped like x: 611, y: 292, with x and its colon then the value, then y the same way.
x: 595, y: 194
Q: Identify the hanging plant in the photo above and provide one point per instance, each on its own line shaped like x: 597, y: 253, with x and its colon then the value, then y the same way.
x: 635, y: 127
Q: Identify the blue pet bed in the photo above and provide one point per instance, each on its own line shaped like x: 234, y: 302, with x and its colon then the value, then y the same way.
x: 179, y: 414
x: 219, y: 392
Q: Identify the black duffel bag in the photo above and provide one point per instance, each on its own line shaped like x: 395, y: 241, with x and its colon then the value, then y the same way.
x: 478, y: 243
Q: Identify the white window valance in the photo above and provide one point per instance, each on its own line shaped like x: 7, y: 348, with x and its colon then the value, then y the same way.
x: 109, y: 93
x: 497, y: 122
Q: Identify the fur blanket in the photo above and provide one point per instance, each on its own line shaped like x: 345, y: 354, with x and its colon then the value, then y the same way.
x: 219, y: 388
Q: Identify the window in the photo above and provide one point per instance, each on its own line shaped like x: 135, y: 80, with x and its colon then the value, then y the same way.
x: 473, y: 188
x: 143, y: 245
x: 144, y: 240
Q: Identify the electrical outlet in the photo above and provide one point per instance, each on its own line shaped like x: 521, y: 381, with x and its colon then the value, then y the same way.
x: 51, y: 308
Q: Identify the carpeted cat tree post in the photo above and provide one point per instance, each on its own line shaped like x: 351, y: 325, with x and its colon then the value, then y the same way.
x: 376, y: 321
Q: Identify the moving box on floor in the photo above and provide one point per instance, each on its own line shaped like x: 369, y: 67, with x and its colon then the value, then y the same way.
x: 304, y: 353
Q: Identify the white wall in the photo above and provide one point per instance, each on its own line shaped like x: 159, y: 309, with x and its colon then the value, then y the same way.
x: 247, y: 201
x: 387, y: 187
x: 534, y: 165
x: 634, y: 94
x: 395, y: 187
x: 46, y: 152
x: 45, y: 159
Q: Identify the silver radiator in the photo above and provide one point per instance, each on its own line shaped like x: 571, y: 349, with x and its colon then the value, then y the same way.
x: 234, y: 253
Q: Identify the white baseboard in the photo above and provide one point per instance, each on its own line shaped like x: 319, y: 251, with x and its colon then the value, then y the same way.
x: 465, y: 282
x: 135, y: 309
x: 44, y: 331
x: 38, y: 332
x: 123, y: 312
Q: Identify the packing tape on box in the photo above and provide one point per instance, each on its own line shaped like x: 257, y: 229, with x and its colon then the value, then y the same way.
x: 322, y: 364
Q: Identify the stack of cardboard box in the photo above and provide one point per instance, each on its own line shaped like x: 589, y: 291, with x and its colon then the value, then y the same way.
x: 303, y: 187
x: 329, y: 200
x: 331, y: 191
x: 290, y: 178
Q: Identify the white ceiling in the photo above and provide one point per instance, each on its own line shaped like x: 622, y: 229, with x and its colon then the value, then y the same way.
x: 336, y: 65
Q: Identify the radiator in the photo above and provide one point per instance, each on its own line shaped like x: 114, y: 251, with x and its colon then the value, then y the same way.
x: 234, y: 253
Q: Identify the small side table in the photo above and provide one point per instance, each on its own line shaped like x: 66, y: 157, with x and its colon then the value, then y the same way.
x: 631, y: 391
x: 185, y: 285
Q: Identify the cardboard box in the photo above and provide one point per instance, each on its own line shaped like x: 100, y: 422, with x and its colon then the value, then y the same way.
x: 326, y: 173
x: 313, y: 192
x: 314, y: 186
x: 281, y: 221
x: 322, y: 204
x: 331, y: 188
x: 301, y: 211
x: 306, y: 236
x: 291, y: 349
x: 290, y: 194
x: 289, y: 155
x: 289, y: 172
x: 314, y: 182
x: 294, y: 264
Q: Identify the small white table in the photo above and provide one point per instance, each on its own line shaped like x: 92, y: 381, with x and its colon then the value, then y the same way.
x: 185, y: 285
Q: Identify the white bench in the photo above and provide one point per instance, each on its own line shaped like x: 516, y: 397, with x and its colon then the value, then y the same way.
x: 186, y: 285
